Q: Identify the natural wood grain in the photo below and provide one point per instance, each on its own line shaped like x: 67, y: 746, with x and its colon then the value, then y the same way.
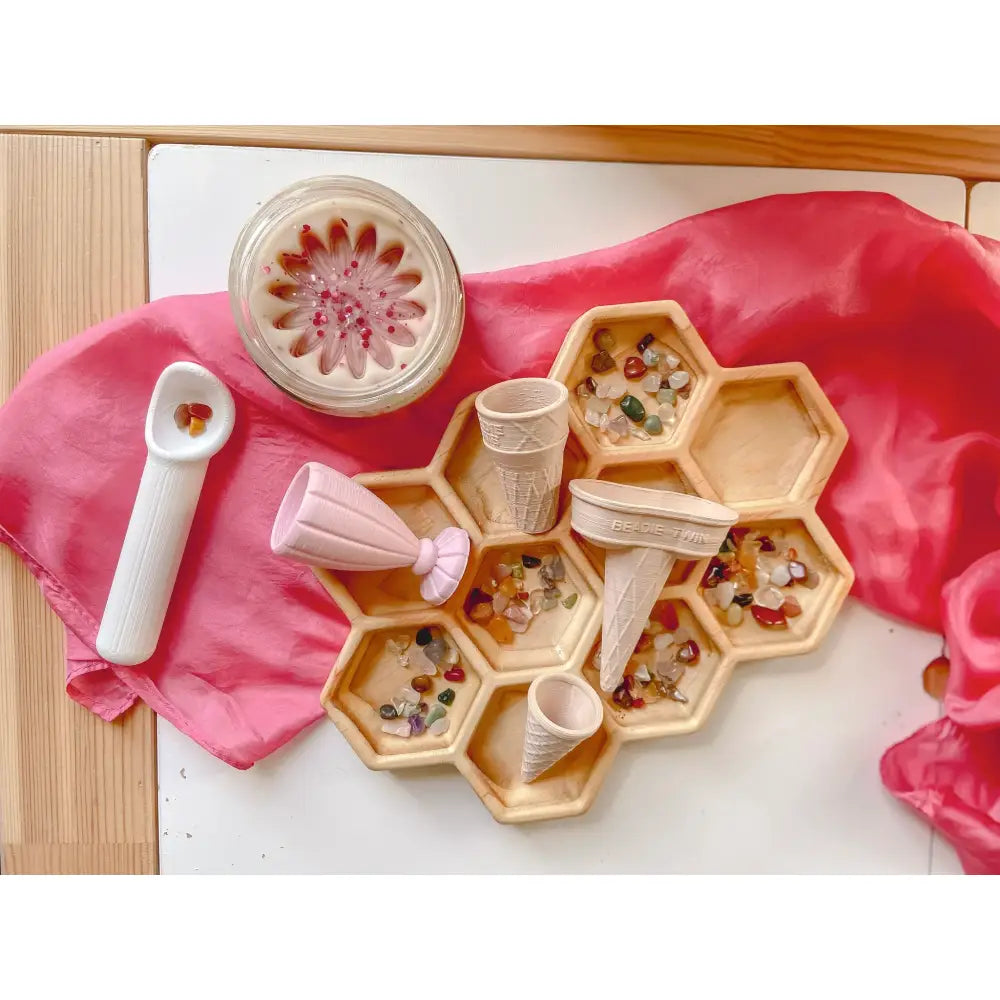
x: 971, y: 152
x: 68, y: 859
x: 76, y: 794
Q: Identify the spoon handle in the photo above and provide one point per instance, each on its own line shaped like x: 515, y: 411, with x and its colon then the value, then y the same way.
x: 150, y: 557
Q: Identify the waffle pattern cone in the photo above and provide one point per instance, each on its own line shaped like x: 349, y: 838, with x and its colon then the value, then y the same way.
x: 529, y: 434
x: 633, y: 579
x: 530, y: 484
x: 542, y: 748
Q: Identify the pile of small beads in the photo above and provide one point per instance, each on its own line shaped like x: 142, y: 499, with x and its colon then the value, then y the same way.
x: 756, y: 570
x: 517, y: 590
x: 192, y: 417
x: 669, y: 649
x: 656, y: 373
x: 409, y: 714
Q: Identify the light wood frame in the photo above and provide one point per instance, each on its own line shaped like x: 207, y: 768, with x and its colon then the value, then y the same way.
x: 78, y: 794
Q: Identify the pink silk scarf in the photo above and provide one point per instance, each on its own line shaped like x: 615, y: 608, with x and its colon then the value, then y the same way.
x: 897, y: 315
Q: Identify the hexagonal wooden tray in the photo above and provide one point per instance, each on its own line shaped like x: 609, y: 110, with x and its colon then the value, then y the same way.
x: 762, y: 440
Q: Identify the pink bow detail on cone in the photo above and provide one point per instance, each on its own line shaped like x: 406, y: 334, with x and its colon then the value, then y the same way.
x: 327, y: 519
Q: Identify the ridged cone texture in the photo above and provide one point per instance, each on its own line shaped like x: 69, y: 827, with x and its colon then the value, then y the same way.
x: 532, y: 492
x: 542, y: 748
x: 524, y: 435
x: 633, y: 579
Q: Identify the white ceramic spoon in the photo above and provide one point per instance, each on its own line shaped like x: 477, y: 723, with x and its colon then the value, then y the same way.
x: 163, y: 511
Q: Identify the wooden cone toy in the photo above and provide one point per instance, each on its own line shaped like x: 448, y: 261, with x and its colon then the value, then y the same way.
x: 525, y: 423
x: 643, y: 531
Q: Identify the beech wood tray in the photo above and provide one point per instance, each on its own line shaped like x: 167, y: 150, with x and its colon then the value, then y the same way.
x: 762, y: 440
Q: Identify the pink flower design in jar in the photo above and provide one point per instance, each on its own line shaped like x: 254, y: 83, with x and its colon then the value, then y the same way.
x: 348, y: 301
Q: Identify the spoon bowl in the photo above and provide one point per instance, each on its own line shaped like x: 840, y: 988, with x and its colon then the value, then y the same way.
x: 187, y: 382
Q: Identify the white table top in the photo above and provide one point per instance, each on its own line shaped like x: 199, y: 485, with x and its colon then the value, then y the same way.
x: 984, y: 210
x: 784, y: 776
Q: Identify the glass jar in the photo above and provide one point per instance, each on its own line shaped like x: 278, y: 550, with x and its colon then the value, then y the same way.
x: 346, y: 296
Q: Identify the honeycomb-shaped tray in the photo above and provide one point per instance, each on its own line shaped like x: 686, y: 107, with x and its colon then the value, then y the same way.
x: 762, y: 440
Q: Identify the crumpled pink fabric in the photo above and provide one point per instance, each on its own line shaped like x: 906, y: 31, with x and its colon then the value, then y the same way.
x: 949, y: 771
x: 897, y: 315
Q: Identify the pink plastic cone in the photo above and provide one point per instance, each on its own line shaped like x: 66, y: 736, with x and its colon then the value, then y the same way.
x: 327, y: 519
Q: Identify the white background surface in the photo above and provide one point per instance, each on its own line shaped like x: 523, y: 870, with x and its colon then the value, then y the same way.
x: 784, y: 776
x: 984, y: 210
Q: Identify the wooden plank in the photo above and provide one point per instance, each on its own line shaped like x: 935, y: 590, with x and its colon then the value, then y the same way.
x: 971, y: 152
x: 76, y: 794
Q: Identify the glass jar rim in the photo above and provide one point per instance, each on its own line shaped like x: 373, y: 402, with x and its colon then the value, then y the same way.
x: 441, y: 341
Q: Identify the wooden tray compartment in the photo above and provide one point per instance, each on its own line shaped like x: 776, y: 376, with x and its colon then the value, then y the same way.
x: 701, y: 684
x: 628, y: 324
x: 373, y: 675
x: 492, y: 763
x: 769, y: 436
x: 808, y: 535
x: 558, y: 637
